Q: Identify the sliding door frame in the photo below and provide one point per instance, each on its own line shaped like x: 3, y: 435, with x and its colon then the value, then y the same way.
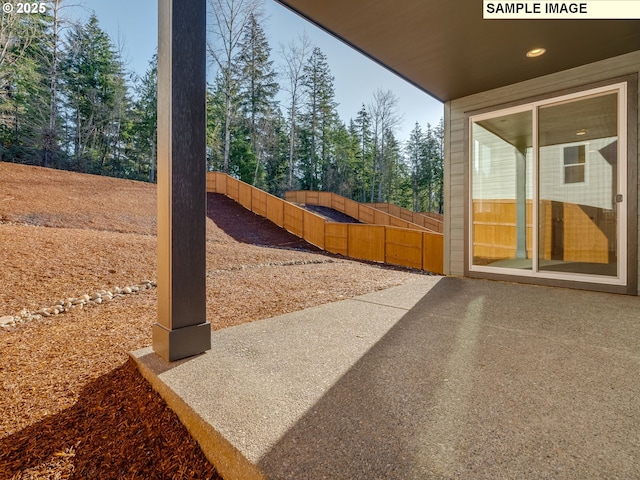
x: 627, y: 184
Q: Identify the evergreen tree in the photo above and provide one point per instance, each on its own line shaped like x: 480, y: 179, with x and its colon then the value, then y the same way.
x: 319, y: 117
x: 361, y: 128
x: 215, y: 132
x: 341, y: 175
x: 258, y: 88
x: 276, y: 150
x: 438, y: 166
x: 23, y: 86
x: 143, y: 124
x: 96, y: 99
x: 415, y: 150
x: 394, y: 171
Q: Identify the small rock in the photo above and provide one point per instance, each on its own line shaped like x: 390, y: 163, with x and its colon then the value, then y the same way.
x: 60, y: 302
x: 7, y: 320
x: 98, y: 300
x: 55, y: 311
x: 117, y: 290
x: 77, y: 301
x: 126, y: 290
x: 85, y: 297
x: 95, y: 296
x: 135, y: 288
x: 45, y: 312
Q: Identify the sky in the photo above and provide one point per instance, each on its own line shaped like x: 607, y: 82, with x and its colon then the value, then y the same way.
x: 133, y: 24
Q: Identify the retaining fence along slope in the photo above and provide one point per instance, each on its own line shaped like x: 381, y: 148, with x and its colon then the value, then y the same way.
x: 364, y: 213
x: 384, y: 238
x: 432, y: 221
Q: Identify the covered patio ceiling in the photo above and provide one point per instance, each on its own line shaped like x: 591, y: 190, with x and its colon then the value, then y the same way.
x: 446, y: 48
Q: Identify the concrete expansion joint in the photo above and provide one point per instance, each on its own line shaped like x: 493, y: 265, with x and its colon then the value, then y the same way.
x: 380, y: 304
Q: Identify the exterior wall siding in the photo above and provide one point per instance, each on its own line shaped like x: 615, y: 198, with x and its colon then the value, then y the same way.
x: 457, y: 136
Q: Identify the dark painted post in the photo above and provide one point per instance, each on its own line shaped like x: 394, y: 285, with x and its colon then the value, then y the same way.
x: 182, y: 329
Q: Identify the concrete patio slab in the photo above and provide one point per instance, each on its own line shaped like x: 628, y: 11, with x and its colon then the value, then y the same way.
x: 439, y: 378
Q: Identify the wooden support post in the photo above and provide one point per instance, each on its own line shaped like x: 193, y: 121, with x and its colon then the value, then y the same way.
x: 181, y: 329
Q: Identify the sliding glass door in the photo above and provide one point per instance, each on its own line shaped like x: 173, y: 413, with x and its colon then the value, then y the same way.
x: 502, y: 190
x: 547, y: 181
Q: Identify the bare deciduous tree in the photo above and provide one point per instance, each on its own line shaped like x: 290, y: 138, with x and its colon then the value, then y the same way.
x: 228, y: 19
x: 383, y: 111
x: 294, y: 56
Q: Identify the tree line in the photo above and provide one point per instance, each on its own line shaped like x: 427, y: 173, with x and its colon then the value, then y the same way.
x: 67, y: 101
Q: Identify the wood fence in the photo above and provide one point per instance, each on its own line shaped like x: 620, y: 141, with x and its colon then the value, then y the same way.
x: 414, y: 246
x: 429, y: 220
x: 365, y: 213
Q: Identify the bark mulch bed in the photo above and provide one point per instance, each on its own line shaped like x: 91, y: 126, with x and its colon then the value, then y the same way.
x: 72, y: 405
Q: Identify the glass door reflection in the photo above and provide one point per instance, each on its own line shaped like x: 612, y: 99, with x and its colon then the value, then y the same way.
x: 578, y: 172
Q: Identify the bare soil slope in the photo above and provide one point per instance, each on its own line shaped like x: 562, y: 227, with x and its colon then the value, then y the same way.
x: 71, y: 403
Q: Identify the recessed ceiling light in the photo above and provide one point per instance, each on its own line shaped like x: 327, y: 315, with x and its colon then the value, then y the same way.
x: 536, y: 52
x: 582, y: 131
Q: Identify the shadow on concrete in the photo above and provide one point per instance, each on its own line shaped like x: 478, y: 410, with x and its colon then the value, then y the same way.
x: 482, y: 380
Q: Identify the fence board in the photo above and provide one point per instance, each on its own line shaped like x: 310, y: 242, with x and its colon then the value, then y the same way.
x: 398, y: 222
x: 380, y: 218
x: 313, y: 228
x: 403, y: 247
x: 211, y: 182
x: 433, y: 224
x: 406, y: 215
x: 221, y: 183
x: 433, y: 252
x: 366, y: 214
x: 338, y: 203
x: 293, y: 218
x: 351, y: 208
x: 259, y: 202
x: 336, y: 238
x: 245, y: 195
x: 396, y: 211
x: 233, y: 188
x: 275, y: 210
x: 366, y: 242
x: 312, y: 198
x: 324, y: 199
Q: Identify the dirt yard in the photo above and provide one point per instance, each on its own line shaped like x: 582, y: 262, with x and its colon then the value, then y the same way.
x: 71, y: 403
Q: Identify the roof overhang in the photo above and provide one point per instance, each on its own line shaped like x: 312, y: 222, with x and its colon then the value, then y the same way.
x: 448, y: 50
